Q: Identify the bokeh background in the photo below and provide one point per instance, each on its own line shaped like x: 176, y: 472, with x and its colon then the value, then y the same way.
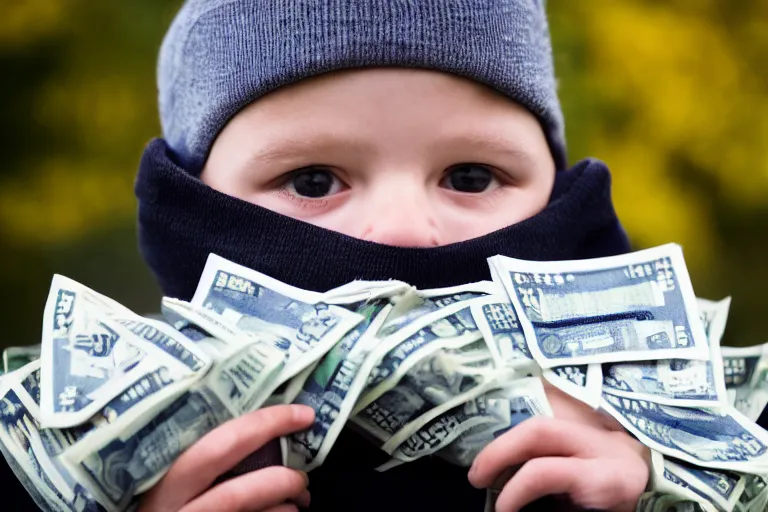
x: 672, y: 94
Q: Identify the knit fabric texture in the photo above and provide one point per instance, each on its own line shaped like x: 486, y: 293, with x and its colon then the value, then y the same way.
x: 220, y: 55
x: 182, y: 221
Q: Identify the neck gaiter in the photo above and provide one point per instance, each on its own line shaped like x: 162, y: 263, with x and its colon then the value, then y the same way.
x: 182, y: 221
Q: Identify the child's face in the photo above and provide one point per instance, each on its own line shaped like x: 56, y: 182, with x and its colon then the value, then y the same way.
x: 401, y: 157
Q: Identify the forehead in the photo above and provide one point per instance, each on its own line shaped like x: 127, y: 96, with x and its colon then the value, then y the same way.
x: 388, y: 84
x: 397, y: 103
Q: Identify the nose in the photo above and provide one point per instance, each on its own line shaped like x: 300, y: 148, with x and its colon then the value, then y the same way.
x: 401, y: 216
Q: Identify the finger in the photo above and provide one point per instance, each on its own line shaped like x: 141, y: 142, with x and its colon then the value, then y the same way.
x: 536, y: 437
x: 221, y: 449
x: 589, y: 483
x: 303, y: 499
x: 538, y: 478
x: 566, y: 408
x: 259, y: 490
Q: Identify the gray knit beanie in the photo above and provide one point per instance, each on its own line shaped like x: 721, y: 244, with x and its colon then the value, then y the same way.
x: 220, y: 55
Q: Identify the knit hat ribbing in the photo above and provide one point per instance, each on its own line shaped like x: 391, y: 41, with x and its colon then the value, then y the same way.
x: 220, y: 55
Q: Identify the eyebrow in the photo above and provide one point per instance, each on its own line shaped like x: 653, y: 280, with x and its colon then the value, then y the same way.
x: 489, y: 142
x: 289, y: 148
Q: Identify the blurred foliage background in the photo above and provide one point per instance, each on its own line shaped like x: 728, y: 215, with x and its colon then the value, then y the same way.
x: 672, y: 94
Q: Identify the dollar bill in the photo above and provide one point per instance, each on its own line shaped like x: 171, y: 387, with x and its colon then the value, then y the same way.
x: 412, y: 330
x: 241, y: 379
x: 393, y: 410
x: 719, y: 490
x: 16, y: 357
x: 714, y: 316
x: 507, y: 410
x: 722, y: 439
x: 139, y: 456
x: 333, y: 387
x: 357, y: 293
x: 678, y: 485
x: 748, y: 401
x: 505, y: 407
x: 248, y: 364
x: 121, y: 462
x: 583, y: 382
x: 288, y: 391
x: 745, y: 366
x: 655, y: 501
x: 469, y: 427
x: 28, y: 469
x: 462, y: 292
x: 496, y: 320
x: 637, y: 306
x: 719, y: 487
x: 132, y: 459
x: 427, y: 372
x: 164, y: 337
x: 433, y: 386
x: 473, y: 355
x: 679, y: 382
x: 746, y: 378
x: 35, y: 450
x: 304, y: 327
x: 136, y: 405
x: 445, y: 385
x: 445, y: 429
x: 217, y: 336
x: 19, y: 463
x: 454, y: 328
x: 87, y: 357
x: 414, y: 307
x: 754, y: 498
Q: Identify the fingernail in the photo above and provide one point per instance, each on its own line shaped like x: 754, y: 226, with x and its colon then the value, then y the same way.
x: 303, y: 414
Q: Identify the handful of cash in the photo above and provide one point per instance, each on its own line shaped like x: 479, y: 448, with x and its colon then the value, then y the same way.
x: 98, y: 413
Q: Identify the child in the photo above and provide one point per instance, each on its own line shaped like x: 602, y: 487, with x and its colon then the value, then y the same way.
x: 322, y: 141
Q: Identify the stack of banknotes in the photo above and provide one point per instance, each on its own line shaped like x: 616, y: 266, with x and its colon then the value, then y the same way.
x: 96, y: 414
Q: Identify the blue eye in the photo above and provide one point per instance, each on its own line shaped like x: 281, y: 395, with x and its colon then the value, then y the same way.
x: 313, y: 183
x: 469, y: 178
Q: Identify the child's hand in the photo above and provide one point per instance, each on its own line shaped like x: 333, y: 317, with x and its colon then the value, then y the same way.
x: 581, y: 453
x: 186, y: 485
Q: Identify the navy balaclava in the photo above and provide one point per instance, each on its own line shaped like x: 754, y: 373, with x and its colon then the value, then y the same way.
x: 182, y: 220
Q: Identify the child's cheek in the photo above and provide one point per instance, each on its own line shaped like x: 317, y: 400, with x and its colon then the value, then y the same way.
x: 476, y: 215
